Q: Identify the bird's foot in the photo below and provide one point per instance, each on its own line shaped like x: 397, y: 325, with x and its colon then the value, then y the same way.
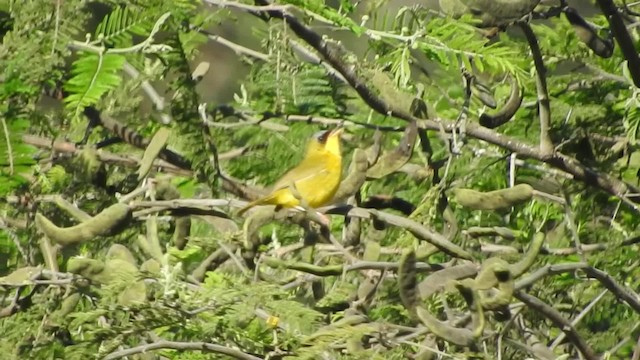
x: 325, y: 220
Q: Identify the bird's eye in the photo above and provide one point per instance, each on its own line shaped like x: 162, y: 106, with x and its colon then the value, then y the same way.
x: 323, y: 136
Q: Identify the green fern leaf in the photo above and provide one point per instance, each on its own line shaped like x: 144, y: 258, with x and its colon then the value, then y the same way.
x: 93, y: 75
x: 117, y: 28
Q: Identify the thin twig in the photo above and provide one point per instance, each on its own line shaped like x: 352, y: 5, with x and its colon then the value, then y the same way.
x: 237, y: 48
x: 144, y: 44
x: 153, y: 95
x: 104, y: 156
x: 335, y: 122
x: 571, y: 224
x: 176, y: 345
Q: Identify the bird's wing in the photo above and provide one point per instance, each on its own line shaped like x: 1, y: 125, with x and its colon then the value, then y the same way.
x: 297, y: 174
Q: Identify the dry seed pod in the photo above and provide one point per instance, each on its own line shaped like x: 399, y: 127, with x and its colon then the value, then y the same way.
x: 351, y: 232
x: 467, y: 289
x: 182, y: 231
x: 547, y: 185
x: 148, y: 249
x: 118, y: 251
x: 454, y: 335
x: 165, y: 190
x: 91, y: 269
x: 108, y: 222
x: 503, y: 232
x: 68, y: 305
x: 71, y: 209
x: 373, y: 151
x: 487, y: 277
x: 317, y: 289
x: 493, y: 200
x: 252, y: 225
x: 483, y: 93
x: 436, y: 281
x: 388, y: 202
x: 505, y: 113
x: 371, y: 251
x: 367, y: 289
x: 354, y: 344
x: 501, y: 298
x: 346, y: 322
x: 392, y: 161
x: 89, y: 158
x: 407, y: 281
x: 356, y: 177
x: 113, y: 271
x: 155, y: 146
x: 21, y: 276
x: 152, y: 267
x: 528, y: 259
x: 418, y: 107
x: 494, y: 272
x: 587, y: 33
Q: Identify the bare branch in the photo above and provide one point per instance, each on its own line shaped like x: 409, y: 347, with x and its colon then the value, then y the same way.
x: 562, y: 323
x: 621, y: 292
x: 548, y: 270
x: 544, y: 107
x: 153, y: 95
x: 176, y: 345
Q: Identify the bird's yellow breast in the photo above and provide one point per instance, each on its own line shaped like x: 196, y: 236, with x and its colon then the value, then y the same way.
x: 317, y: 181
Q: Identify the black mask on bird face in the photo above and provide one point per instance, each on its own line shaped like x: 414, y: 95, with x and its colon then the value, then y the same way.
x: 322, y: 136
x: 326, y: 141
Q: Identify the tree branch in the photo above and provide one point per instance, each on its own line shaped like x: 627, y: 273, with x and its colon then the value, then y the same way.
x: 175, y: 345
x: 621, y: 292
x: 562, y: 323
x: 544, y: 107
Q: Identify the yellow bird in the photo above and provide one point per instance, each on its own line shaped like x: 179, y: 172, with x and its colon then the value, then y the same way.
x: 316, y: 178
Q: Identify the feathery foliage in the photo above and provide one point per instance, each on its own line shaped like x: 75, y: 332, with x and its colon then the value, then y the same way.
x: 176, y: 273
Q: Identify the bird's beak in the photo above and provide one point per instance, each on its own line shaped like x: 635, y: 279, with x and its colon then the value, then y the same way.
x: 337, y: 131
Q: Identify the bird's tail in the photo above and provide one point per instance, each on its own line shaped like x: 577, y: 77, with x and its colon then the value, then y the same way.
x: 262, y: 201
x: 248, y: 206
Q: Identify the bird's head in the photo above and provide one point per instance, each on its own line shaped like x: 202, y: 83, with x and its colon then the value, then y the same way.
x: 327, y: 141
